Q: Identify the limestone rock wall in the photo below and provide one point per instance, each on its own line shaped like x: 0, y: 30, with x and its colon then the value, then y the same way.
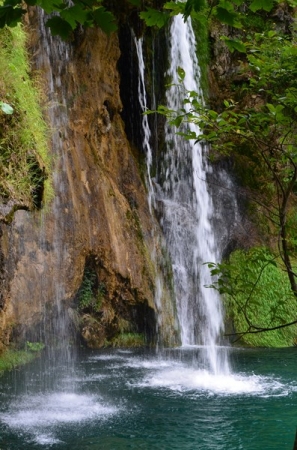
x: 99, y: 212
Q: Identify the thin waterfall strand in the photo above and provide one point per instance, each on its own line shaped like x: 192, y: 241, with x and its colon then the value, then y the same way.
x: 149, y: 158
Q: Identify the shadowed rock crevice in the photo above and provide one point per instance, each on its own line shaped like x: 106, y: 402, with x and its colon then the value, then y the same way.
x: 108, y: 312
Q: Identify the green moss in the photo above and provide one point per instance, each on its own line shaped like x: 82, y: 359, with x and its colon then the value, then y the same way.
x: 126, y: 340
x: 24, y: 161
x: 260, y: 292
x: 91, y: 293
x: 134, y: 223
x: 14, y: 358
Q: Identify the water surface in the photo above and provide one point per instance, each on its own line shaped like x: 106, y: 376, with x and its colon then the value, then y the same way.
x: 116, y: 399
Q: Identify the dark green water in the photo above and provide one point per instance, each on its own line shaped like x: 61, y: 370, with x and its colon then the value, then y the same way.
x: 141, y: 400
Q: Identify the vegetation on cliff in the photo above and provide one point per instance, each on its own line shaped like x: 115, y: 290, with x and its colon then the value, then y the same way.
x: 257, y: 295
x: 100, y: 323
x: 24, y: 158
x: 253, y: 123
x: 12, y: 358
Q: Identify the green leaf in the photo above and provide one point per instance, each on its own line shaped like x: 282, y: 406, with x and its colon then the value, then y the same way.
x: 234, y: 44
x: 267, y: 5
x: 193, y: 5
x: 279, y: 108
x: 74, y: 15
x: 176, y: 8
x: 213, y: 114
x: 59, y: 27
x: 105, y: 20
x: 177, y: 121
x: 47, y: 5
x: 188, y: 136
x: 153, y: 17
x: 230, y: 18
x: 271, y: 108
x: 6, y: 108
x: 181, y: 73
x: 10, y: 16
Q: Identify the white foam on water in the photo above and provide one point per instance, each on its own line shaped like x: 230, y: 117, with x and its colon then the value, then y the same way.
x: 105, y: 358
x: 46, y: 439
x: 152, y: 363
x: 184, y: 379
x: 39, y: 415
x: 124, y: 351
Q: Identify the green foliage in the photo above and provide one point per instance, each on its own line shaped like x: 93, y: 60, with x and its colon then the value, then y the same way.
x: 90, y: 294
x: 126, y: 340
x: 14, y: 358
x: 34, y: 346
x: 92, y: 13
x: 257, y: 296
x: 225, y: 12
x: 24, y: 157
x: 234, y: 44
x: 67, y: 15
x: 153, y: 17
x: 267, y: 5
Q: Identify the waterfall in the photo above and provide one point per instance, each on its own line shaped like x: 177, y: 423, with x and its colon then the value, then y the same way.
x: 54, y: 55
x: 188, y: 211
x: 186, y: 208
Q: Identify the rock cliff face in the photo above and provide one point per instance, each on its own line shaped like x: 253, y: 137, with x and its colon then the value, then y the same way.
x: 99, y: 220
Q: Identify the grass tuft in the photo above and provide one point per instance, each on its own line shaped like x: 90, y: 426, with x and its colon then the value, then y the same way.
x: 127, y: 340
x: 14, y: 358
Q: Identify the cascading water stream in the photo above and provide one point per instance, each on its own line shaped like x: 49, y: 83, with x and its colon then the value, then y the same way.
x: 55, y: 53
x: 188, y: 211
x: 187, y: 208
x: 145, y: 125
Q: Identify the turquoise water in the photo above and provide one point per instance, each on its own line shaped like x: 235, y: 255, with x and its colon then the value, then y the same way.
x: 144, y: 400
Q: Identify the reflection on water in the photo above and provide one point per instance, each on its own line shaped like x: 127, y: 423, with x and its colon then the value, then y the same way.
x: 143, y: 400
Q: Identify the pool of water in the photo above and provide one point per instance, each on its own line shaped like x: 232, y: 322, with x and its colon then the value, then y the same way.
x: 117, y: 399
